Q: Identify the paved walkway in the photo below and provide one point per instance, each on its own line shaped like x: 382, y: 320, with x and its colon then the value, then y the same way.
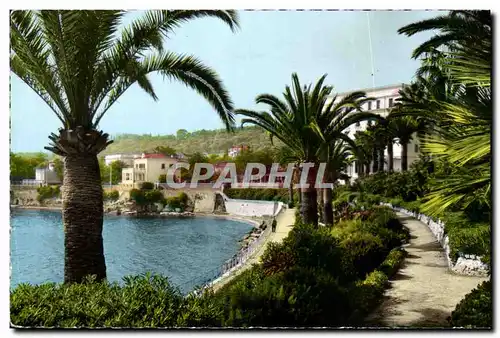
x: 285, y: 221
x: 424, y: 292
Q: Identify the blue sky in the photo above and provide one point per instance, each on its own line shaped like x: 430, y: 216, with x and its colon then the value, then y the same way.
x: 258, y: 58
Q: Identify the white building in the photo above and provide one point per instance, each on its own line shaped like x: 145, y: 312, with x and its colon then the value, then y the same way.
x: 128, y: 159
x: 148, y: 168
x: 384, y: 98
x: 47, y: 175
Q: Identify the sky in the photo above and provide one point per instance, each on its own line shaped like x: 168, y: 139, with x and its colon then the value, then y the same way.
x: 258, y: 58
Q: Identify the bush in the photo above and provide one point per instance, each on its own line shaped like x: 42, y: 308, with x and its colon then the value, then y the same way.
x: 476, y: 309
x: 178, y: 202
x: 362, y: 253
x: 280, y: 195
x: 153, y: 196
x: 138, y: 196
x: 48, y: 191
x: 143, y: 301
x: 296, y: 297
x: 112, y: 195
x: 393, y: 262
x: 162, y: 178
x: 147, y: 186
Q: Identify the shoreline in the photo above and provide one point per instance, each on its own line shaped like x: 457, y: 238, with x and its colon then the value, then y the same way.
x: 253, y: 221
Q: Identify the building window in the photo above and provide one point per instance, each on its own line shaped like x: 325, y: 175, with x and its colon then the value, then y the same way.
x: 356, y: 170
x: 163, y: 165
x: 378, y: 104
x: 358, y: 124
x: 370, y: 105
x: 416, y: 148
x: 127, y: 177
x: 142, y: 165
x: 391, y: 102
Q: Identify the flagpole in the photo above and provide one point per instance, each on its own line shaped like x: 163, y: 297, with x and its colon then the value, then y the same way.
x: 371, y: 50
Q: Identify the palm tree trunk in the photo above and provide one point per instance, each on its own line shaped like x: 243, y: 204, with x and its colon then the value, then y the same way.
x: 321, y: 204
x: 328, y: 207
x: 367, y: 168
x: 82, y: 217
x: 404, y: 156
x: 390, y: 155
x: 381, y: 159
x: 375, y: 159
x: 309, y: 205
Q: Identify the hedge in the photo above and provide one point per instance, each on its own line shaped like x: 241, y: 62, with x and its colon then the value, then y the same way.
x: 313, y: 278
x: 281, y: 195
x: 476, y: 309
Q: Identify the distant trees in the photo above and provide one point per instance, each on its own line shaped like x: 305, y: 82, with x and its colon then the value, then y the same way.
x: 24, y: 166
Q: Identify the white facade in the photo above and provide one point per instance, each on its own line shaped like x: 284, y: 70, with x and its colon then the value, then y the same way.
x: 47, y: 175
x: 128, y: 159
x: 384, y: 98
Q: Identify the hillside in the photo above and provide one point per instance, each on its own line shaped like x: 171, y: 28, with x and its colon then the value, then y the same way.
x: 211, y: 141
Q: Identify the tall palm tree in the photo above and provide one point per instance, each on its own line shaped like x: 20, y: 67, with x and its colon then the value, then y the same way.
x: 463, y: 119
x: 404, y: 128
x: 471, y: 29
x: 80, y: 63
x: 306, y: 120
x: 337, y: 160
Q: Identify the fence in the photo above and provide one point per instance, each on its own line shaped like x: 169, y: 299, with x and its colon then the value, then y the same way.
x: 232, y: 264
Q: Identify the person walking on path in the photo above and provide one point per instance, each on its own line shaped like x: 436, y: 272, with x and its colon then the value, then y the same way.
x: 273, y: 225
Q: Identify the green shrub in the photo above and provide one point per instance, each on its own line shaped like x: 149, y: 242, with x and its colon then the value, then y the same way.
x: 296, y: 297
x: 476, y: 309
x: 362, y: 253
x: 143, y: 301
x: 392, y: 262
x: 281, y: 195
x: 48, y: 191
x: 147, y: 186
x: 112, y: 195
x: 138, y: 196
x: 162, y: 178
x: 365, y: 295
x: 177, y: 202
x: 153, y: 196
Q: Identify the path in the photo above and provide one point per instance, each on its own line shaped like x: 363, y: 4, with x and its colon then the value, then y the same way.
x: 285, y: 221
x: 424, y: 292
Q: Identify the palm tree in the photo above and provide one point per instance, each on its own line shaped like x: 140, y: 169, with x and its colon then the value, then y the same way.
x: 80, y: 63
x: 456, y: 30
x: 463, y: 118
x: 337, y: 161
x: 305, y: 121
x: 403, y: 127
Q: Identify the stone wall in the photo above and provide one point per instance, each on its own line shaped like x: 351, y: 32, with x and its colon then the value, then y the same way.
x: 466, y: 264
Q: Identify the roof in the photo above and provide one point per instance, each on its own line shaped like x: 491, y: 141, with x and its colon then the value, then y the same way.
x: 155, y: 155
x: 373, y: 89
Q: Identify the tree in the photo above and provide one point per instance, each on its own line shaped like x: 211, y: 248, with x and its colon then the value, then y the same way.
x: 463, y: 117
x: 306, y: 121
x: 182, y: 134
x: 165, y: 150
x: 80, y: 63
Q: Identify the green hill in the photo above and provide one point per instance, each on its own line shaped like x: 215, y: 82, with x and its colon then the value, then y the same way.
x: 210, y: 141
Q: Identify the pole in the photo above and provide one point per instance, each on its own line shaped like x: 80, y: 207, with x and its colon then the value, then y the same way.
x: 371, y: 50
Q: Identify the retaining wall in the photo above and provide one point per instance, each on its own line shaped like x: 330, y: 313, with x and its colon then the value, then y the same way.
x: 466, y: 264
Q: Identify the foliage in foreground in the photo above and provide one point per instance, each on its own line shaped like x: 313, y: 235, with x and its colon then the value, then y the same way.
x: 311, y: 279
x: 476, y: 309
